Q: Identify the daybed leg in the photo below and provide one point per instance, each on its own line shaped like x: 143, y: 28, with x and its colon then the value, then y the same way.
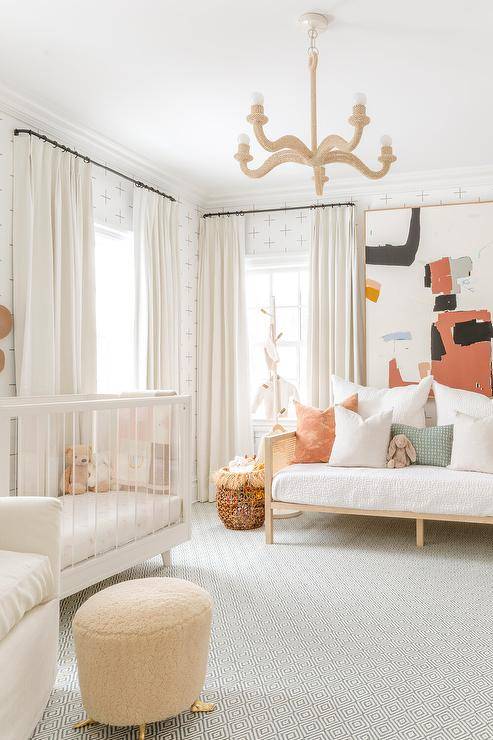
x: 166, y: 556
x: 202, y: 706
x: 269, y: 526
x: 84, y: 723
x: 420, y: 532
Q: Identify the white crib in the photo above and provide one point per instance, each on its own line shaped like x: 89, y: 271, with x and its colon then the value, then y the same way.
x: 140, y: 444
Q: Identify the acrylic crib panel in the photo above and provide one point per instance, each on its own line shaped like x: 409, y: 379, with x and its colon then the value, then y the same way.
x: 135, y: 499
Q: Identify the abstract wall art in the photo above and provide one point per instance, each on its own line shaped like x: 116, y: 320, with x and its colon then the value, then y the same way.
x: 429, y: 291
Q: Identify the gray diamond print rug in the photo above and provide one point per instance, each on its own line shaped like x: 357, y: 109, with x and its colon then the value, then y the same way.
x: 342, y: 630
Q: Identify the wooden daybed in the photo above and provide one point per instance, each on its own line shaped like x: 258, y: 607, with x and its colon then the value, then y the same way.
x: 418, y: 492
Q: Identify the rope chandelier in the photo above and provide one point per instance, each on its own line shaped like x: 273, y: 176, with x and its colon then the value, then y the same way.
x: 332, y: 149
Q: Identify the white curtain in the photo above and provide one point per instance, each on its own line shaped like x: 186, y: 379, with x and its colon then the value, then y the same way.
x: 157, y: 295
x: 336, y: 310
x: 224, y: 424
x: 53, y: 261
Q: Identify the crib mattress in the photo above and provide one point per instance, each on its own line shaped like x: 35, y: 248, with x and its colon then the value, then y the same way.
x: 94, y: 523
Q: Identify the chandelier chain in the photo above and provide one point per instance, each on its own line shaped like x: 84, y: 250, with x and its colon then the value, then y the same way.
x: 312, y: 35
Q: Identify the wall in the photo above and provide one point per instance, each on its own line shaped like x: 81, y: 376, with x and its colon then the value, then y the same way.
x: 112, y: 207
x: 7, y: 124
x: 287, y: 231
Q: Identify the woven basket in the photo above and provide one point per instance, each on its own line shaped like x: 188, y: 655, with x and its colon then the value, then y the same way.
x: 240, y: 498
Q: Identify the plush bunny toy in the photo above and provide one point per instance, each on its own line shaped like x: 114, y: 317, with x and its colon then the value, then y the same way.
x: 401, y: 452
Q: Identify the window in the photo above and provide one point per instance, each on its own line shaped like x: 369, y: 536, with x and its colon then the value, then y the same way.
x: 287, y: 283
x: 115, y: 306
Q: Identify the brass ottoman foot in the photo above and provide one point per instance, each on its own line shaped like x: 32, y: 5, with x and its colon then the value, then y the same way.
x: 202, y: 706
x: 84, y: 723
x: 142, y: 732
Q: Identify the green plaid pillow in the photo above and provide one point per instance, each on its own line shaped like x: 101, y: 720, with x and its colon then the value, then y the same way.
x: 433, y: 445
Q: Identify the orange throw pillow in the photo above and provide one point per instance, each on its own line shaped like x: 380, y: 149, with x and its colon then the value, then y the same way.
x: 316, y: 431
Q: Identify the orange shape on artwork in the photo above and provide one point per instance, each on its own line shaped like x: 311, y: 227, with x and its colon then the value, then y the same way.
x: 441, y: 276
x: 372, y: 290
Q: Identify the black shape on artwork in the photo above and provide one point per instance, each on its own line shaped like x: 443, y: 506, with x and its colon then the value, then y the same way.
x: 437, y: 345
x: 427, y: 276
x: 471, y: 332
x: 445, y: 302
x: 402, y: 255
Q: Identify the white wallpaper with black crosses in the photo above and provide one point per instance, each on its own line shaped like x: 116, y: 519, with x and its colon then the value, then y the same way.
x: 112, y: 200
x: 7, y: 124
x: 288, y: 231
x: 188, y: 234
x: 281, y: 231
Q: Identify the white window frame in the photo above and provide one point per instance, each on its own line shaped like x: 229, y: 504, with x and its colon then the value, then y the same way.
x: 282, y: 262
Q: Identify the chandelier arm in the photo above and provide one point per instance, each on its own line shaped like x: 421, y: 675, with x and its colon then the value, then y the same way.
x: 351, y: 159
x: 284, y: 142
x: 271, y: 162
x: 334, y: 141
x: 358, y: 120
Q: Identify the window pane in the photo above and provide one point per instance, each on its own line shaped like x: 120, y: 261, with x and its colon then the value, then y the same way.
x: 258, y: 371
x: 285, y: 288
x: 115, y: 301
x: 288, y: 323
x: 258, y: 324
x: 288, y: 365
x: 304, y: 323
x: 258, y: 289
x: 304, y: 287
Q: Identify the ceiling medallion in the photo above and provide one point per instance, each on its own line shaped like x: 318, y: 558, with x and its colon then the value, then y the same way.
x: 333, y: 149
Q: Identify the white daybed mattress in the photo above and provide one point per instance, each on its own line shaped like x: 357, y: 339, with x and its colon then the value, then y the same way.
x: 94, y: 523
x: 418, y: 488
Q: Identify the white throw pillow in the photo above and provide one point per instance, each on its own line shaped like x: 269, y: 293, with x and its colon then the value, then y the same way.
x: 449, y: 400
x: 360, y: 443
x: 407, y: 402
x: 472, y: 448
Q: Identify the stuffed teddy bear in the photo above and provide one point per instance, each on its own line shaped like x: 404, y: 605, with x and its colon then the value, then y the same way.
x: 99, y: 473
x: 78, y: 468
x: 401, y: 452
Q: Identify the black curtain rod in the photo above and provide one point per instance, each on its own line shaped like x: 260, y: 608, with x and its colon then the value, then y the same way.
x: 56, y: 144
x: 271, y: 210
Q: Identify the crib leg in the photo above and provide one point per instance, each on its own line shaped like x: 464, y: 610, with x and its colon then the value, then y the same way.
x: 166, y: 556
x: 420, y: 532
x: 142, y: 732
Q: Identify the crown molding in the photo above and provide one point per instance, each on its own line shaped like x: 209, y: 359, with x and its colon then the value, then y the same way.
x: 358, y: 188
x: 95, y: 145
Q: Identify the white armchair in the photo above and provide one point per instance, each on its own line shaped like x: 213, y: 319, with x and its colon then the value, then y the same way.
x: 30, y: 543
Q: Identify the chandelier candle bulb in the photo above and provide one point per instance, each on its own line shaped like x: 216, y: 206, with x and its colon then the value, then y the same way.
x: 243, y: 139
x: 333, y: 149
x: 386, y: 140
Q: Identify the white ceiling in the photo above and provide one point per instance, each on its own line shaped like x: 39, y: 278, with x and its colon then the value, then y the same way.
x: 171, y: 80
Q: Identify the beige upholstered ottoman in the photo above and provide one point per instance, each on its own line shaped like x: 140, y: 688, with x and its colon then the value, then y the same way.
x: 142, y: 649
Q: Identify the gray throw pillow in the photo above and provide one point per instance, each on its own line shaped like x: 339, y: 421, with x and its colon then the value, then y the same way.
x: 433, y: 445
